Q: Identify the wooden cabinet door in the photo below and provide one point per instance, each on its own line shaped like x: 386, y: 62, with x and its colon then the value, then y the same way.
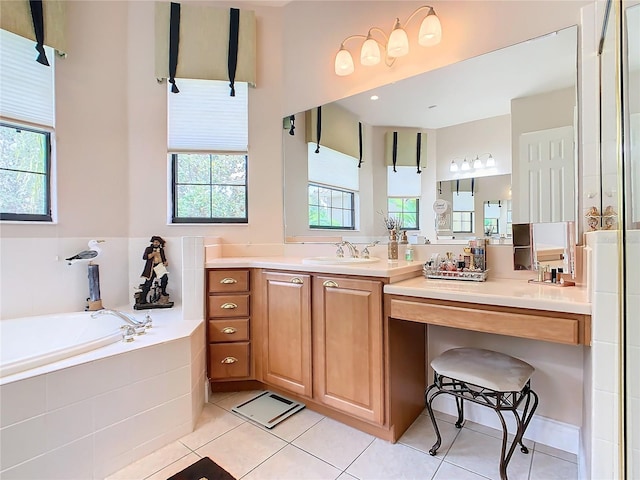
x: 348, y: 336
x: 287, y: 332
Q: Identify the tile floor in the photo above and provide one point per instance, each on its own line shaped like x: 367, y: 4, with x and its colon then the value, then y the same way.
x: 310, y: 446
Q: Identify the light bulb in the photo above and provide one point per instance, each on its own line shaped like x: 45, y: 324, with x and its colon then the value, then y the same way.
x: 430, y: 30
x: 344, y: 62
x: 453, y: 167
x: 398, y: 44
x: 370, y: 52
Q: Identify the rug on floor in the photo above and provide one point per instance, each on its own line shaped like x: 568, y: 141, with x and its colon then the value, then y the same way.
x: 206, y: 469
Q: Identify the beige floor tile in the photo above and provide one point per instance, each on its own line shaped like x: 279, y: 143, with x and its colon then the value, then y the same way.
x: 296, y: 425
x: 174, y: 467
x: 242, y: 449
x: 388, y: 460
x: 237, y: 398
x: 334, y: 442
x: 152, y: 463
x: 480, y: 453
x: 546, y: 467
x: 554, y: 452
x: 216, y: 397
x: 291, y: 463
x: 495, y: 433
x: 448, y: 471
x: 421, y: 435
x: 214, y: 422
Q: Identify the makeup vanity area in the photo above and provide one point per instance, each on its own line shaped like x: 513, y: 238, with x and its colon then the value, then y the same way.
x: 351, y: 341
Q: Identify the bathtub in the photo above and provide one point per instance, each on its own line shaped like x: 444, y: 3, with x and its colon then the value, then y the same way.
x: 31, y: 342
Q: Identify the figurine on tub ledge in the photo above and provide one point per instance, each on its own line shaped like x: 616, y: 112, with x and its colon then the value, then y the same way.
x: 153, y: 292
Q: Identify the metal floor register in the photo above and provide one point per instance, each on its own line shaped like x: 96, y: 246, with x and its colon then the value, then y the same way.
x: 268, y: 409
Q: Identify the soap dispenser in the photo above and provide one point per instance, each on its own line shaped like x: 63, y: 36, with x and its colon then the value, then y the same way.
x: 393, y: 245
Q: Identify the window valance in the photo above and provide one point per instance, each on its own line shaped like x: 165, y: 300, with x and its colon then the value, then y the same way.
x: 204, y: 43
x: 410, y: 144
x: 339, y: 129
x: 15, y: 17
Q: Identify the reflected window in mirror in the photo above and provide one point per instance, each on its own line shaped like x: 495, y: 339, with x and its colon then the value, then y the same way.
x: 462, y: 212
x: 497, y: 218
x: 333, y: 180
x: 404, y: 189
x: 406, y: 211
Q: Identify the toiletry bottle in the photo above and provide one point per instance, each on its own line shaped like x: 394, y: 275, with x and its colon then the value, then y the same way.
x: 393, y: 245
x: 408, y: 253
x: 404, y: 239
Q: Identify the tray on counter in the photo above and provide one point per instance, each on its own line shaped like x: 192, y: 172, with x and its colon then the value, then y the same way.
x: 480, y: 276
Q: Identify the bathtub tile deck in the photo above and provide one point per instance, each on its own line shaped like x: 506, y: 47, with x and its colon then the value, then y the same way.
x: 297, y: 449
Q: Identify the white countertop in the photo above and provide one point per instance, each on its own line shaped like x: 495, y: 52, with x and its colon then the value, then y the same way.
x: 381, y: 268
x: 503, y: 292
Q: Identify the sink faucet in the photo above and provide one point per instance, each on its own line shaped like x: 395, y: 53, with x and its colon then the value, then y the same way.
x: 365, y: 252
x: 353, y: 250
x: 123, y: 316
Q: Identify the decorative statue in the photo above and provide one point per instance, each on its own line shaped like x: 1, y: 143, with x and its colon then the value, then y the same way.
x: 153, y: 292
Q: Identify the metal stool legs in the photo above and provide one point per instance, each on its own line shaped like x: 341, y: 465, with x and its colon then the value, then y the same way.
x: 498, y: 401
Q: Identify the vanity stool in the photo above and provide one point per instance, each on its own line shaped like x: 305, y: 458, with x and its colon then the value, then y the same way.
x: 487, y: 378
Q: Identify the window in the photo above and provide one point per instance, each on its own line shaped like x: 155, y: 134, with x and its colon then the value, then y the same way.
x: 406, y: 211
x: 26, y: 131
x: 462, y: 212
x: 208, y: 138
x: 333, y: 189
x: 492, y: 214
x: 330, y: 208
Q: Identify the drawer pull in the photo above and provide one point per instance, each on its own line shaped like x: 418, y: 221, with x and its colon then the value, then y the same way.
x: 329, y: 283
x: 228, y: 330
x: 228, y: 281
x: 296, y: 280
x: 228, y: 360
x: 228, y: 306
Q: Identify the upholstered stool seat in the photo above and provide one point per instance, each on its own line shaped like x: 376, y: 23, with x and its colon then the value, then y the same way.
x: 488, y: 378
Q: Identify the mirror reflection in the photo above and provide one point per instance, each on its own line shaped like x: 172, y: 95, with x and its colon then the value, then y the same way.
x: 511, y: 112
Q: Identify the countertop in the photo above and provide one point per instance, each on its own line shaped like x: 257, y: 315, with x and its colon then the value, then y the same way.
x: 503, y: 292
x: 381, y: 268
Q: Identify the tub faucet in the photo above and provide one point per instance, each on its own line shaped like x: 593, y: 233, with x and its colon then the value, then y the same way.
x: 123, y: 316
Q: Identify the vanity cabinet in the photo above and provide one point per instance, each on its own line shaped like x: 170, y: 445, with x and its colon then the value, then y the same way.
x: 348, y: 346
x: 228, y: 327
x: 286, y: 331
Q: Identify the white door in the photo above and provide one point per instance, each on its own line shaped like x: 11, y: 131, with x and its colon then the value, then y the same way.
x: 634, y: 166
x: 546, y: 177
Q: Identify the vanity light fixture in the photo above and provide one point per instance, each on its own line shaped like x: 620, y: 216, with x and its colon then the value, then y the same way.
x: 453, y: 167
x: 477, y: 163
x: 465, y: 165
x: 395, y: 45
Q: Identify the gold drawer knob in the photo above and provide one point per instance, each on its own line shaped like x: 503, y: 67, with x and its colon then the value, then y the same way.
x: 228, y: 330
x: 329, y: 283
x: 296, y: 280
x: 228, y: 281
x: 228, y: 306
x: 228, y: 360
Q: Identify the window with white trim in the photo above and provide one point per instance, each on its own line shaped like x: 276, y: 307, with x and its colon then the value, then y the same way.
x: 208, y: 149
x: 27, y: 120
x: 404, y: 189
x: 334, y: 183
x: 462, y: 212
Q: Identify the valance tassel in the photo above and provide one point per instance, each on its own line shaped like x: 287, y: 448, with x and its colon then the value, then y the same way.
x: 174, y: 44
x: 418, y: 148
x: 232, y: 58
x: 318, y: 129
x: 37, y: 15
x: 394, y: 152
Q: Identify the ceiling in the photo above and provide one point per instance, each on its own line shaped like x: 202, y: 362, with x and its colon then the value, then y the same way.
x: 481, y: 87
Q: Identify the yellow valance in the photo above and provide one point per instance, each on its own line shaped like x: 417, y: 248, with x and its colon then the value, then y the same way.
x: 204, y: 43
x: 407, y: 147
x: 339, y: 129
x: 15, y: 17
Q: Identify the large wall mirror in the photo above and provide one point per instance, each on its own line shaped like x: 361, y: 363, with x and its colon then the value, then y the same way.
x: 497, y: 130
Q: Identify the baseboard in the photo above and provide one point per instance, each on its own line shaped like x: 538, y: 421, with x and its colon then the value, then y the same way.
x: 547, y: 431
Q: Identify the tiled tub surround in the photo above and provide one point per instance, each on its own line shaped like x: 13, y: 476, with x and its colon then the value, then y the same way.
x: 89, y: 415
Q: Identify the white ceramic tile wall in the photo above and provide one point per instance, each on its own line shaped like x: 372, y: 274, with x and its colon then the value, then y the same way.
x: 90, y: 420
x: 193, y: 278
x: 633, y: 347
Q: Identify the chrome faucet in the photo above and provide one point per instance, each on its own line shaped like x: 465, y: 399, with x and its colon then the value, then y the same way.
x: 353, y: 250
x: 365, y: 252
x: 123, y: 316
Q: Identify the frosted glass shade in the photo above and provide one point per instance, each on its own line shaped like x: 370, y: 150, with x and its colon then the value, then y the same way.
x: 430, y: 30
x: 370, y: 52
x: 344, y: 63
x: 477, y: 163
x: 465, y: 165
x: 398, y: 44
x: 453, y: 167
x: 491, y: 162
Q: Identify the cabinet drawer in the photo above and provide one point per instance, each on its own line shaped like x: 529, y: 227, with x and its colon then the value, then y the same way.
x: 229, y: 360
x: 223, y: 281
x: 229, y: 330
x: 229, y: 305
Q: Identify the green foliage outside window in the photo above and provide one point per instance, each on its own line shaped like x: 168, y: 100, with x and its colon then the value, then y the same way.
x: 331, y: 208
x: 24, y: 174
x: 209, y: 187
x: 406, y: 210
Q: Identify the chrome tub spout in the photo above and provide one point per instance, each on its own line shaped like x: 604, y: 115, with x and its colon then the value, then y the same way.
x: 121, y: 315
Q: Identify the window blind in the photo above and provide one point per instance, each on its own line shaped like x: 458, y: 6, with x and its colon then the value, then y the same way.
x: 336, y: 169
x: 203, y: 117
x: 463, y: 202
x: 26, y: 87
x: 405, y: 182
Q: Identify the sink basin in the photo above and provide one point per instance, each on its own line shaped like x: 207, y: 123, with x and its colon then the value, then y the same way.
x: 338, y: 260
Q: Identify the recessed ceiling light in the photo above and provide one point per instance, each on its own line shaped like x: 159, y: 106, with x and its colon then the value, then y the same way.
x: 432, y: 106
x: 374, y: 97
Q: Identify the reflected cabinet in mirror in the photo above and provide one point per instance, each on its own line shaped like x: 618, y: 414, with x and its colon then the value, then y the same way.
x: 492, y: 135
